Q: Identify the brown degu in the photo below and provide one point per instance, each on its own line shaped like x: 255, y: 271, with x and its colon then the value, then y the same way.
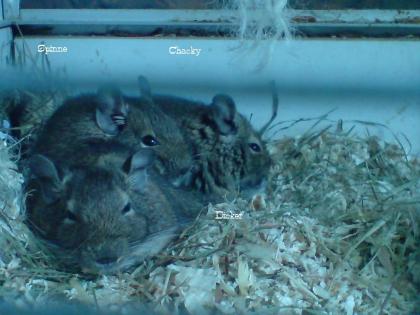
x: 108, y: 125
x: 88, y: 127
x: 229, y: 155
x: 174, y: 154
x: 100, y: 219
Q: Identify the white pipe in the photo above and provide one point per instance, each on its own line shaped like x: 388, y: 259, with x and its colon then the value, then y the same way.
x: 367, y: 80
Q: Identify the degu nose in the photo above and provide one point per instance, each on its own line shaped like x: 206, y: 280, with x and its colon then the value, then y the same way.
x: 175, y: 50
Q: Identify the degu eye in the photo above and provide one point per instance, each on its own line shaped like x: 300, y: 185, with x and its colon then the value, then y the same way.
x: 254, y: 147
x: 150, y: 141
x: 126, y: 209
x: 70, y: 217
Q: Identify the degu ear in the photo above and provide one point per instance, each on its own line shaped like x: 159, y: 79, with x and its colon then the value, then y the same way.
x: 223, y: 112
x: 136, y: 167
x: 144, y: 87
x: 46, y: 172
x: 111, y: 110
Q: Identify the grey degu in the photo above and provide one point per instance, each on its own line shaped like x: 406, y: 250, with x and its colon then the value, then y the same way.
x: 100, y: 219
x: 229, y: 154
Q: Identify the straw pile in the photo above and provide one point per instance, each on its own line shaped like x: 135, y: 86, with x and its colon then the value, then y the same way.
x: 336, y: 232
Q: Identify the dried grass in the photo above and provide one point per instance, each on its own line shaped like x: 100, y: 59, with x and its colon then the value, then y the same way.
x: 261, y: 24
x: 32, y: 108
x: 337, y: 232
